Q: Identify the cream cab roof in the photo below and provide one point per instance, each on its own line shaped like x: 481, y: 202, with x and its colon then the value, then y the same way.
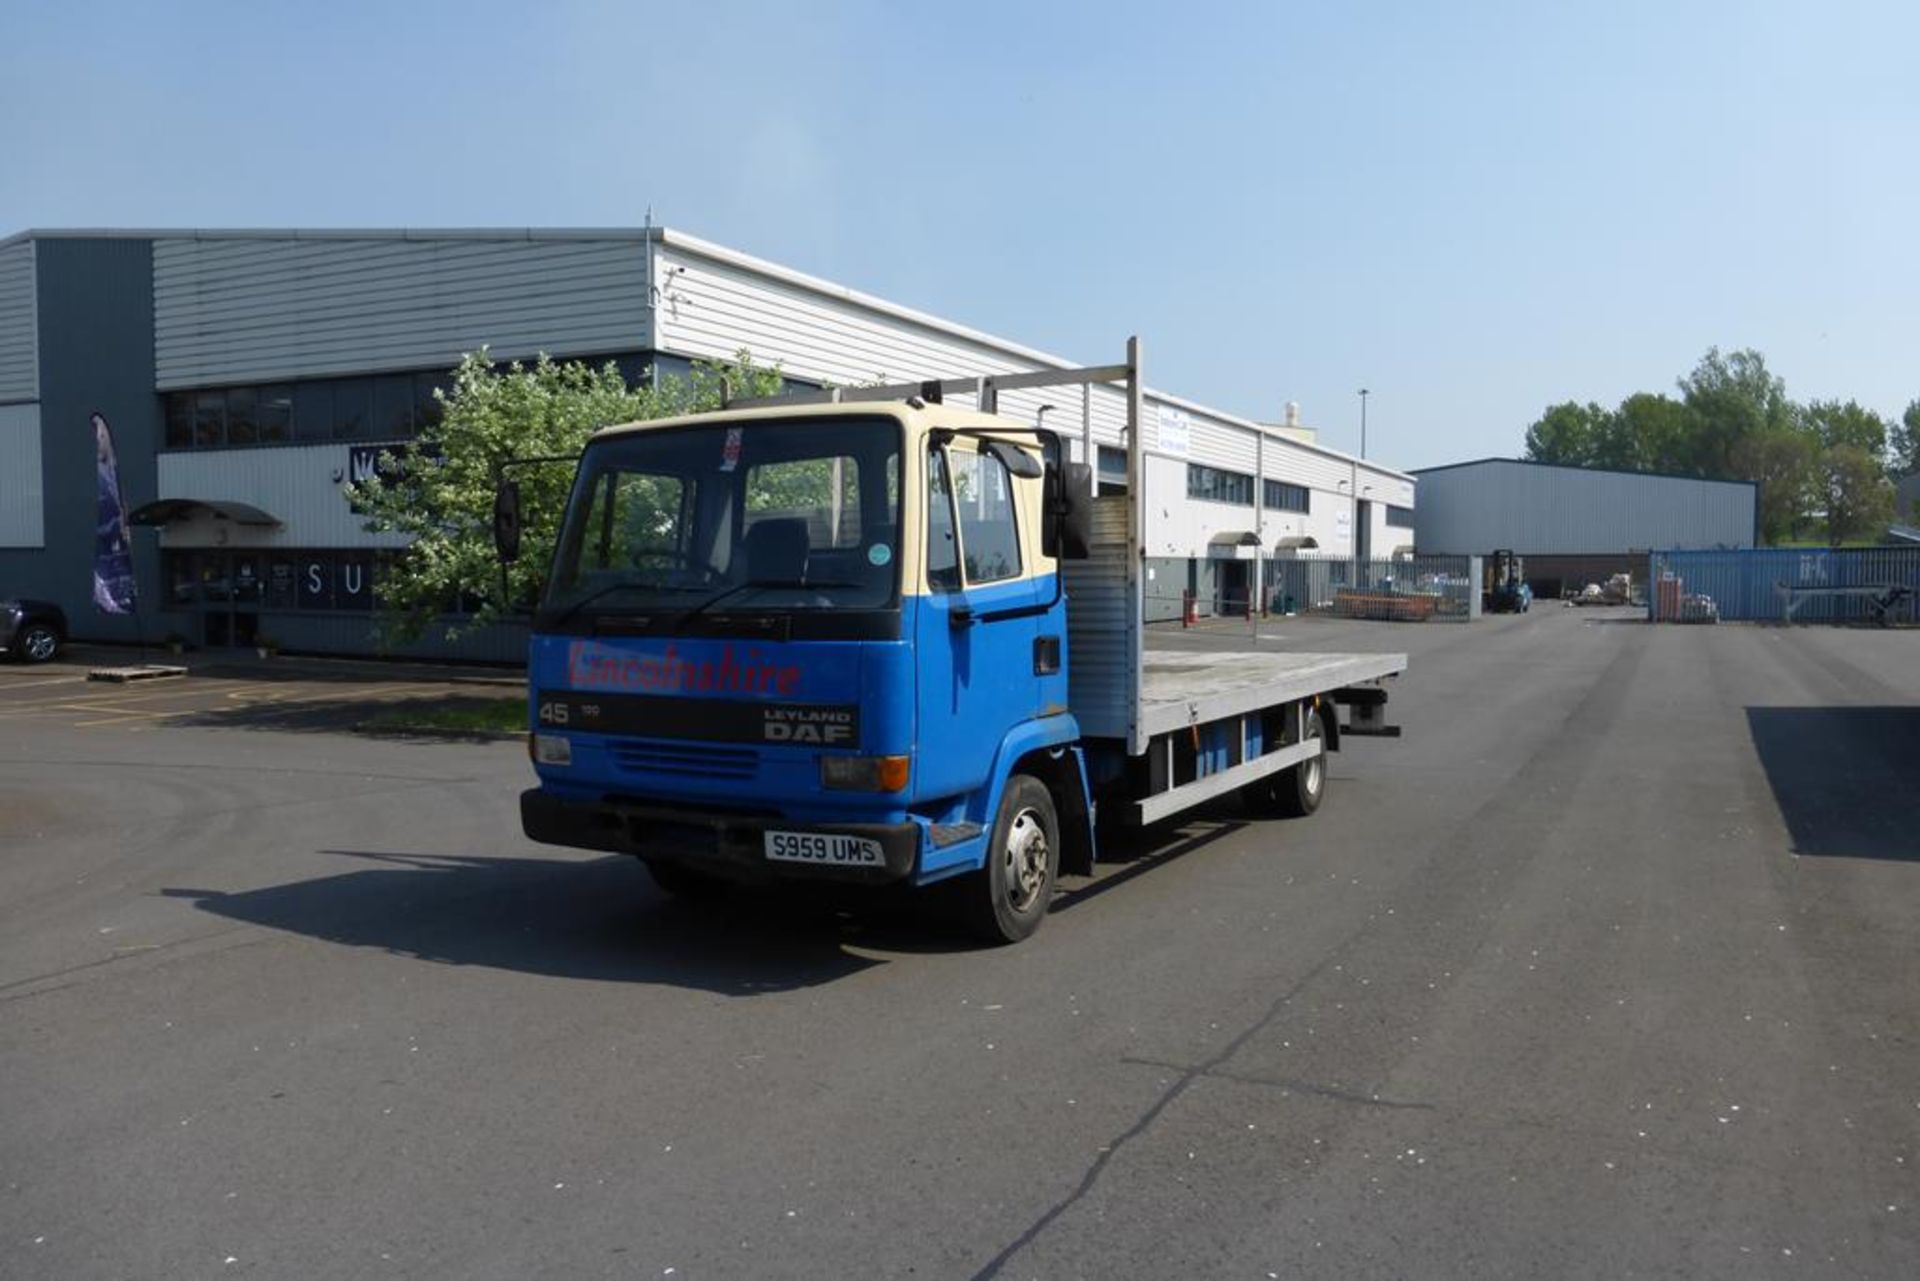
x: 921, y: 419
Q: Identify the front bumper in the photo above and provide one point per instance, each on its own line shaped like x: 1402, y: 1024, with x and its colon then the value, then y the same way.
x: 727, y: 845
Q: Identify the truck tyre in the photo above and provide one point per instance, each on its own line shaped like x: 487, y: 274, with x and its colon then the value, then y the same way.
x: 1296, y: 791
x: 1005, y: 901
x: 685, y: 882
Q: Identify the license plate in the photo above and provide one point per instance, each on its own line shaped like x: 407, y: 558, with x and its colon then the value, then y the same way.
x: 824, y: 847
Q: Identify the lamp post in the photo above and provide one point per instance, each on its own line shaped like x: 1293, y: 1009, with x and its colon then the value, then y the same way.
x: 1363, y: 422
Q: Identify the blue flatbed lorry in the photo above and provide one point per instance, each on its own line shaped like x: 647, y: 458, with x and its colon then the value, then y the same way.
x: 870, y: 636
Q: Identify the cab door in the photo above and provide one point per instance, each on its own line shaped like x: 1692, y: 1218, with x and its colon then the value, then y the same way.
x: 975, y: 629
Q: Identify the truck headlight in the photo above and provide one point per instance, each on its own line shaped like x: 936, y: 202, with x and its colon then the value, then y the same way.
x: 552, y: 749
x: 864, y: 773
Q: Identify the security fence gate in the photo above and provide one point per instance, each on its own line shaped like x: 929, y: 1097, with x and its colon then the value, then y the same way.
x: 1872, y: 585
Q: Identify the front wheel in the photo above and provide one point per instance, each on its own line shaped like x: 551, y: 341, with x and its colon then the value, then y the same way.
x: 39, y: 643
x: 1296, y: 791
x: 1005, y: 901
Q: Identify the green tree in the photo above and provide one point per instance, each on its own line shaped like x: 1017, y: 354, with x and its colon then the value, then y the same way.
x: 1786, y: 464
x: 440, y: 493
x: 1567, y: 434
x: 1731, y: 396
x: 1846, y: 423
x: 1903, y: 443
x: 1654, y: 433
x: 1859, y: 499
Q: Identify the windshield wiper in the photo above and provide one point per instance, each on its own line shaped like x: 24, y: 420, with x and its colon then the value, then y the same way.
x: 608, y: 589
x: 750, y: 585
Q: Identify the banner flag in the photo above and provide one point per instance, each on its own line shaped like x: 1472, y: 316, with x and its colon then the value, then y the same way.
x: 113, y: 590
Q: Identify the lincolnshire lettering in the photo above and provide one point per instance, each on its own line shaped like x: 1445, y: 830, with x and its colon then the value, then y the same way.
x: 592, y: 667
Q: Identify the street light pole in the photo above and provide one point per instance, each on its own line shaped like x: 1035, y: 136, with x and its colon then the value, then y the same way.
x: 1363, y: 422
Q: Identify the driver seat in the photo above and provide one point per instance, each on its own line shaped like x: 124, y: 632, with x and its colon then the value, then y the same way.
x: 776, y: 549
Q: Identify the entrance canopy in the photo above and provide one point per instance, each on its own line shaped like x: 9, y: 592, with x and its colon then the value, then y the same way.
x: 1233, y: 544
x: 167, y: 510
x: 1295, y: 543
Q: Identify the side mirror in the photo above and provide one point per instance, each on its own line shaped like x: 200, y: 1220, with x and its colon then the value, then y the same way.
x: 1068, y: 531
x: 506, y: 521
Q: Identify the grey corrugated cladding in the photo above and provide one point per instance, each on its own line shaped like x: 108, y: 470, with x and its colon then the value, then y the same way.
x: 1543, y: 510
x: 240, y: 308
x: 96, y: 357
x: 19, y: 324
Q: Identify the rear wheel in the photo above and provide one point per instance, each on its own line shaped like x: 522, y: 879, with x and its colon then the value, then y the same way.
x: 1296, y: 791
x: 1005, y: 901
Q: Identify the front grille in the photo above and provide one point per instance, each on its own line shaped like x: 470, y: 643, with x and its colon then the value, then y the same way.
x: 686, y: 760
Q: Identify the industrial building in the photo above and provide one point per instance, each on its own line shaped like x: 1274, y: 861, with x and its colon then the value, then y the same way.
x: 247, y: 375
x: 1575, y: 525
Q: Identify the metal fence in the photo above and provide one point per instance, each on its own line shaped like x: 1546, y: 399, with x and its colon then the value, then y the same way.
x: 1872, y: 585
x: 1402, y: 589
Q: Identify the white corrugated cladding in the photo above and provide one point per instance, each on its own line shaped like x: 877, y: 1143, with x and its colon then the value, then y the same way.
x: 22, y: 481
x: 714, y: 302
x: 1546, y: 511
x: 298, y: 485
x: 19, y: 324
x: 244, y: 307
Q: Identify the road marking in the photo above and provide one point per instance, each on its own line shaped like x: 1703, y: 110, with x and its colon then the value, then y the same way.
x: 56, y: 680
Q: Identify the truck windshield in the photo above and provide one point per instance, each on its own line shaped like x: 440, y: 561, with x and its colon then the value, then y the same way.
x: 755, y: 517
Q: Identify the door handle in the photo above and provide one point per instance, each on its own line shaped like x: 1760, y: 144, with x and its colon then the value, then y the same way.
x: 960, y: 616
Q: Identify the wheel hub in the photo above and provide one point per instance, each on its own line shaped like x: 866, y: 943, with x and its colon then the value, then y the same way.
x: 1025, y: 858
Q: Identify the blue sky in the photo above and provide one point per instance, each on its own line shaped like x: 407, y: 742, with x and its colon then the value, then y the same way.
x: 1473, y: 209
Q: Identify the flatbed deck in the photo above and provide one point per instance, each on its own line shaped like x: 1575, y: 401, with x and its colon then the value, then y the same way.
x: 1179, y: 688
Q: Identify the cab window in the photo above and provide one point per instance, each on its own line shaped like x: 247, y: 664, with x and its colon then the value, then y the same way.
x: 989, y: 536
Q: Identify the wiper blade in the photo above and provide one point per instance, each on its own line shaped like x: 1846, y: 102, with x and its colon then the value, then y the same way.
x: 755, y: 584
x: 607, y: 589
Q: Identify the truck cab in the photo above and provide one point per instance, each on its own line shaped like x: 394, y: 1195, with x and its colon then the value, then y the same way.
x: 813, y: 642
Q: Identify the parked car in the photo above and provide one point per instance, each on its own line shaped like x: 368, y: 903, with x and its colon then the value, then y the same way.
x: 31, y: 631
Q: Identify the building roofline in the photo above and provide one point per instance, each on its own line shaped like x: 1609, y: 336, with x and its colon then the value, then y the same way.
x: 704, y: 248
x: 1597, y: 471
x: 1032, y: 355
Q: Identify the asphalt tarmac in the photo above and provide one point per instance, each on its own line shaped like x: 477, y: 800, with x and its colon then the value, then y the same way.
x: 1610, y: 967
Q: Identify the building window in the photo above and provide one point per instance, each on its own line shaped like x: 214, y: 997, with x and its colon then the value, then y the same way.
x: 385, y: 407
x: 209, y: 420
x: 1112, y: 475
x: 1217, y: 486
x: 180, y: 420
x: 274, y: 579
x: 1280, y: 496
x: 241, y: 422
x: 352, y: 408
x: 1400, y: 517
x: 273, y: 414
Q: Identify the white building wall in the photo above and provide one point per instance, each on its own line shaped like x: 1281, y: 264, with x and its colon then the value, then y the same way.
x: 300, y: 485
x: 712, y: 303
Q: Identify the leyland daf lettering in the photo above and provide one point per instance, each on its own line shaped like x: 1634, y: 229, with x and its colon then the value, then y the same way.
x: 828, y: 726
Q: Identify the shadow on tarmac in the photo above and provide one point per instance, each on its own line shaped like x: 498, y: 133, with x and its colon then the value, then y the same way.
x: 1844, y: 778
x: 604, y: 919
x: 600, y: 919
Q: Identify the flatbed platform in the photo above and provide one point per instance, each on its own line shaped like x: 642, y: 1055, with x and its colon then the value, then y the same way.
x: 1179, y: 688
